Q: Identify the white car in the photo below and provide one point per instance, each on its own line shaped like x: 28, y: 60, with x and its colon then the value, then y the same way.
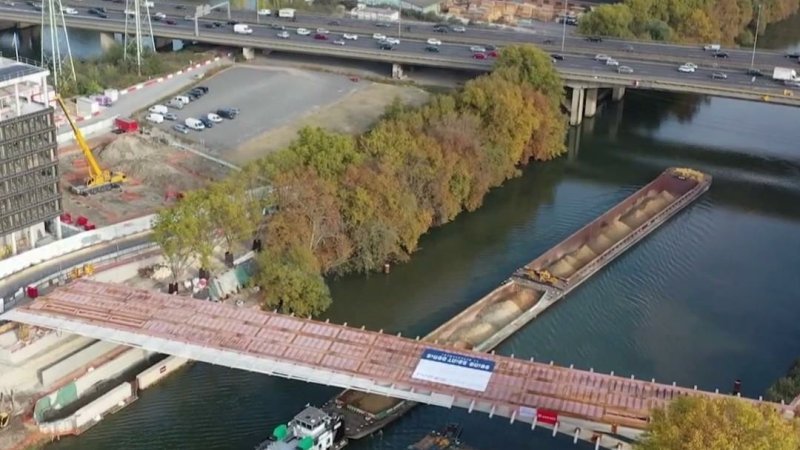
x: 692, y: 65
x: 601, y: 57
x: 393, y: 41
x: 350, y: 37
x: 155, y: 118
x: 434, y: 41
x: 686, y: 69
x: 214, y: 118
x: 283, y: 35
x: 624, y: 69
x: 459, y: 29
x: 338, y: 42
x: 70, y: 11
x: 378, y: 36
x: 264, y: 12
x: 303, y: 32
x: 612, y: 62
x: 322, y: 31
x: 148, y: 4
x: 477, y: 49
x: 159, y: 16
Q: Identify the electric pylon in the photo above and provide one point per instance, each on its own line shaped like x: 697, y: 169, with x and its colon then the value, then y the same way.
x: 55, y: 59
x: 137, y: 15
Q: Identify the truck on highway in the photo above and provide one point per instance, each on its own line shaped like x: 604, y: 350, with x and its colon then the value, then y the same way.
x: 286, y: 13
x: 242, y: 28
x: 785, y: 74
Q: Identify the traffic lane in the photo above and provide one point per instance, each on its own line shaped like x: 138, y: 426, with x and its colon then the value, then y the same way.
x: 43, y: 270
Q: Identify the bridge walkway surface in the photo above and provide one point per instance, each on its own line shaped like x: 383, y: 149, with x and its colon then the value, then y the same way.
x: 337, y: 355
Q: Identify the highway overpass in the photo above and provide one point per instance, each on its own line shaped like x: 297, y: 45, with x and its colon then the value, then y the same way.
x: 655, y: 65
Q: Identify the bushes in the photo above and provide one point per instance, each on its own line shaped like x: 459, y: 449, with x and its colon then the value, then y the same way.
x: 348, y: 204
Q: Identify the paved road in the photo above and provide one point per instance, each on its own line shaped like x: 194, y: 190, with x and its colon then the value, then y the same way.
x: 539, y: 34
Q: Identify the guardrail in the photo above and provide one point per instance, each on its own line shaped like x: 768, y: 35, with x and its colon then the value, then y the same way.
x: 275, y: 44
x: 17, y: 263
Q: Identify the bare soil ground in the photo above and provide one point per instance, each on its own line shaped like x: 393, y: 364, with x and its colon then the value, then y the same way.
x: 156, y: 172
x: 353, y: 113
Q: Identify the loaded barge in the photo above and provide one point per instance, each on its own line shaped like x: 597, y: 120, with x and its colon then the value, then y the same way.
x: 536, y: 286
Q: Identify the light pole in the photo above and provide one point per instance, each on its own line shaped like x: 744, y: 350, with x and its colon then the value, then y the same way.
x: 755, y: 38
x: 564, y: 27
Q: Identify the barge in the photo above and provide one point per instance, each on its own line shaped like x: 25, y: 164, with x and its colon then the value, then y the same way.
x: 537, y: 286
x: 448, y: 438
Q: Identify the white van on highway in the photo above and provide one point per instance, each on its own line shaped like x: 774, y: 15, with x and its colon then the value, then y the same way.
x: 242, y: 28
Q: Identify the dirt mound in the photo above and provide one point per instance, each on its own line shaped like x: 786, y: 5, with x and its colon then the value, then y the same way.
x: 139, y: 157
x: 525, y: 298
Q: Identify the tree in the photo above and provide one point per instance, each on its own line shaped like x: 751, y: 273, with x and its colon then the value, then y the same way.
x: 786, y: 388
x: 232, y: 211
x: 174, y: 235
x: 705, y: 423
x: 527, y: 64
x: 291, y: 283
x: 328, y: 153
x: 199, y: 225
x: 608, y: 20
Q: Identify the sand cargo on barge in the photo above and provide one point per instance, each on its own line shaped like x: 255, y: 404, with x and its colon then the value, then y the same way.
x: 538, y: 285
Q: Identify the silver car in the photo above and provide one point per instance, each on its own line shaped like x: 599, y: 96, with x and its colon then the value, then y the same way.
x: 624, y: 69
x: 181, y: 128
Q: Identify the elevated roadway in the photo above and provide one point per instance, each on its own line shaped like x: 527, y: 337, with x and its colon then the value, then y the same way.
x: 654, y: 65
x: 605, y: 409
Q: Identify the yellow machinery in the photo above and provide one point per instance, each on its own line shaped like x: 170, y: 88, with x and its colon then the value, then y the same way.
x: 543, y: 276
x: 689, y: 174
x: 4, y: 420
x: 99, y: 180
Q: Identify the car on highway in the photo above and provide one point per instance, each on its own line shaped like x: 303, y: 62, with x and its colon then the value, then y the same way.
x: 303, y: 31
x: 477, y: 49
x: 322, y: 31
x: 440, y: 29
x: 432, y: 49
x: 686, y: 69
x: 601, y: 57
x: 557, y: 57
x: 180, y: 6
x: 321, y: 37
x: 283, y: 35
x: 382, y: 25
x: 383, y: 45
x: 159, y: 16
x: 612, y: 62
x: 493, y: 53
x: 792, y: 55
x: 755, y: 72
x: 183, y: 129
x: 334, y: 23
x: 624, y: 69
x: 99, y: 12
x: 277, y: 26
x: 712, y: 48
x: 691, y: 64
x: 232, y: 23
x: 434, y: 41
x: 170, y: 116
x: 264, y: 12
x: 719, y: 76
x: 719, y: 55
x: 548, y: 42
x: 594, y: 39
x: 69, y: 11
x: 628, y: 48
x: 214, y: 117
x: 350, y: 36
x: 339, y: 42
x: 459, y: 29
x: 393, y: 41
x: 171, y: 22
x: 479, y: 55
x: 490, y: 47
x: 378, y: 36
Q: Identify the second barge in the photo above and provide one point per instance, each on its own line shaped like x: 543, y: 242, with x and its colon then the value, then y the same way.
x: 538, y: 285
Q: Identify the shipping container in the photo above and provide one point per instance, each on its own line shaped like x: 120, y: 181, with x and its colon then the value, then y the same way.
x: 126, y: 125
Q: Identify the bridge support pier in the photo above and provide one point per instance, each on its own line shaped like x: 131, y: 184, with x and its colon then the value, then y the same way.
x: 397, y: 72
x: 590, y: 100
x: 576, y: 106
x: 617, y: 93
x: 248, y: 53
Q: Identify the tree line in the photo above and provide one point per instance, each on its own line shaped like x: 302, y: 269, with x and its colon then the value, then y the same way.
x: 344, y: 203
x: 708, y: 21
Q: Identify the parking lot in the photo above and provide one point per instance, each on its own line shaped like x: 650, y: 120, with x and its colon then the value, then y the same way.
x: 266, y: 97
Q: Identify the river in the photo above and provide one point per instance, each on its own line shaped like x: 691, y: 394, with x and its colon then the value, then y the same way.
x: 709, y: 297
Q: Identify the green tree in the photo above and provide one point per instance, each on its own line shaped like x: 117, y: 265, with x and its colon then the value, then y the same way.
x: 290, y: 282
x: 527, y: 64
x: 704, y: 423
x: 199, y: 225
x: 326, y: 152
x: 608, y: 20
x: 174, y: 235
x: 232, y: 211
x: 786, y: 388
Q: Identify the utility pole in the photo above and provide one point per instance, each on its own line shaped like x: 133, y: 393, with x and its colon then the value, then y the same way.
x: 53, y: 21
x: 564, y: 27
x: 755, y: 38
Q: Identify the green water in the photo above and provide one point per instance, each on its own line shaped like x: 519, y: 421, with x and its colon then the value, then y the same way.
x: 709, y: 297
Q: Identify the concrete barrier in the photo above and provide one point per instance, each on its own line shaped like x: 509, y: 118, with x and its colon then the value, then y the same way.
x: 111, y: 369
x: 156, y: 373
x: 64, y: 367
x: 17, y: 263
x: 21, y: 351
x: 102, y: 126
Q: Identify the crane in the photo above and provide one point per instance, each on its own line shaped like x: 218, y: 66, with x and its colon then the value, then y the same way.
x: 99, y: 179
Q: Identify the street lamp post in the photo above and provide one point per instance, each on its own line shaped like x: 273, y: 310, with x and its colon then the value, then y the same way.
x: 564, y: 27
x: 755, y: 38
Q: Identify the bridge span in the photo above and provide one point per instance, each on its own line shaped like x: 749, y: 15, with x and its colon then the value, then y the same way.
x: 608, y: 410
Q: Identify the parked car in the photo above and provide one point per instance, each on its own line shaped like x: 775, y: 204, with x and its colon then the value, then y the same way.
x: 183, y: 129
x: 206, y: 122
x: 194, y: 124
x: 154, y: 118
x: 624, y: 69
x: 719, y: 76
x: 203, y: 89
x: 158, y: 109
x: 170, y: 116
x: 214, y: 118
x: 228, y: 113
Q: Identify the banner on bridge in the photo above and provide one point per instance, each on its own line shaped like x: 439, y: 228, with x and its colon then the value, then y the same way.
x: 453, y: 369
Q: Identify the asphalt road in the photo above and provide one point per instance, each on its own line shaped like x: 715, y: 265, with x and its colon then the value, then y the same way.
x: 538, y: 34
x: 267, y: 99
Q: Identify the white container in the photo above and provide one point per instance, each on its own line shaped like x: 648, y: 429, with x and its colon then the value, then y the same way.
x: 112, y: 94
x: 87, y: 107
x: 157, y: 372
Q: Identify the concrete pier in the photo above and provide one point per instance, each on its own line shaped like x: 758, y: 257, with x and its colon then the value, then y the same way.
x: 248, y: 53
x: 576, y: 106
x: 397, y: 72
x: 617, y: 93
x: 590, y: 101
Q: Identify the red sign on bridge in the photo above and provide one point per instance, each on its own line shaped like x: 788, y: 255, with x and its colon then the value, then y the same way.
x: 547, y: 416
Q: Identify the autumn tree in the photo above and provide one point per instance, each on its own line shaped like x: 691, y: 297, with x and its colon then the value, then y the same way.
x: 290, y: 282
x: 608, y: 20
x: 704, y: 423
x: 233, y: 212
x: 531, y: 66
x: 173, y: 232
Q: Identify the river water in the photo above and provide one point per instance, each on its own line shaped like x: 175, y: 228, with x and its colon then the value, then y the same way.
x: 709, y: 297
